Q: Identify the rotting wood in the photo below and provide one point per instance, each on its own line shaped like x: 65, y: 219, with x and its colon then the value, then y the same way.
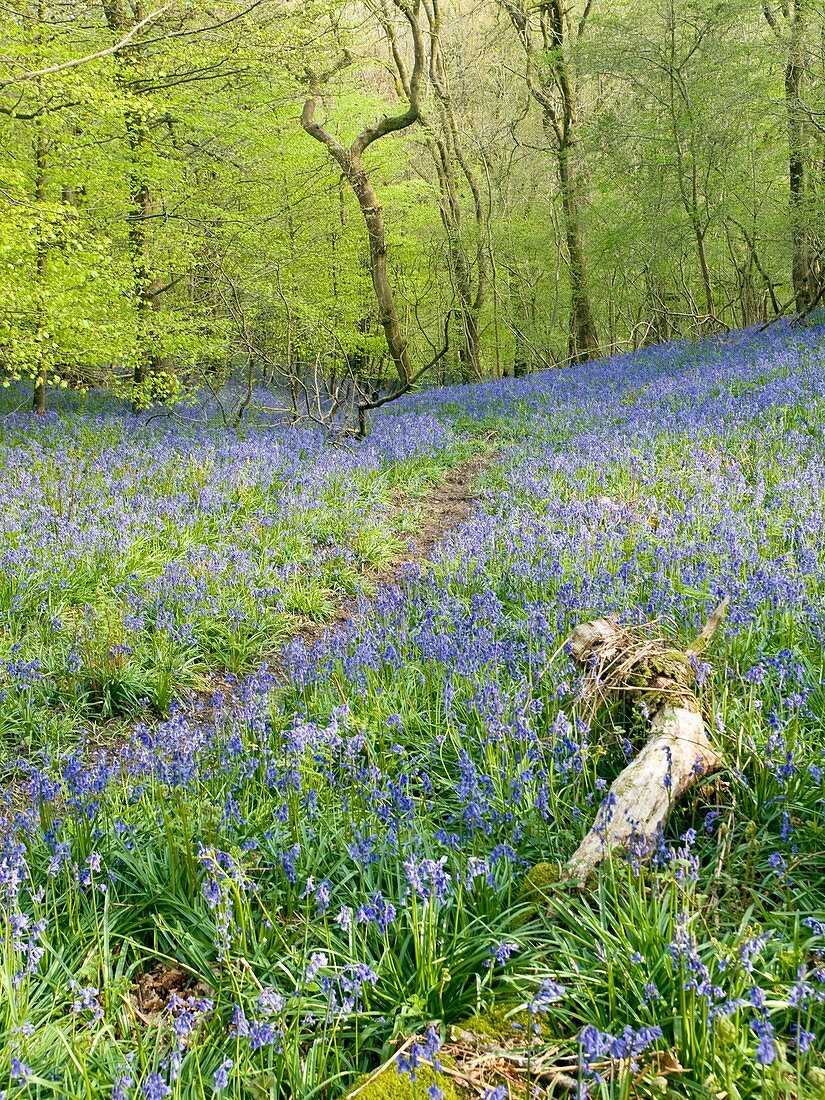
x: 618, y: 660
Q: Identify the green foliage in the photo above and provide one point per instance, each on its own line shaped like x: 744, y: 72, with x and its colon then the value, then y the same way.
x: 392, y: 1085
x: 166, y: 213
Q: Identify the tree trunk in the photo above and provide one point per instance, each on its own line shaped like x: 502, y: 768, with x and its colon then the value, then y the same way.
x: 444, y: 143
x: 632, y: 817
x: 703, y: 267
x: 620, y: 661
x: 584, y: 340
x: 39, y: 395
x: 372, y: 212
x: 146, y: 299
x: 794, y: 71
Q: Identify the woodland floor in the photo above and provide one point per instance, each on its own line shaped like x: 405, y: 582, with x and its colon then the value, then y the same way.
x: 312, y: 868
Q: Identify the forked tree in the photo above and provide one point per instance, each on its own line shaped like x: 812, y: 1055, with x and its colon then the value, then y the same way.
x: 350, y: 159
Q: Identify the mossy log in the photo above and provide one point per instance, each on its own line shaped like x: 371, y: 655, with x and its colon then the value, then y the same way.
x: 678, y: 752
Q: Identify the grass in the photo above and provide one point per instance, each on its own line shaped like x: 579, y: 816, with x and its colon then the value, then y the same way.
x: 137, y: 560
x: 335, y: 862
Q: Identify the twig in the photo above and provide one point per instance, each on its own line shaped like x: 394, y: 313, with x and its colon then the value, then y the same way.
x: 702, y: 640
x: 116, y: 48
x: 377, y: 1073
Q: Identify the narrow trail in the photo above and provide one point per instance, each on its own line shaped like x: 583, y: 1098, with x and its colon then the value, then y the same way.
x: 447, y: 504
x: 443, y: 508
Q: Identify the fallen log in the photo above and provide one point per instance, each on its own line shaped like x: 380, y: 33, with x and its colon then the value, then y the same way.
x: 621, y: 661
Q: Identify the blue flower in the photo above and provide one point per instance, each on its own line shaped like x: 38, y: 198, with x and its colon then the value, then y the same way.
x: 221, y: 1076
x: 155, y: 1088
x: 766, y: 1047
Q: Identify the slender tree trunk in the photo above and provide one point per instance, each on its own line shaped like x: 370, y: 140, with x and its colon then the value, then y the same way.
x: 146, y: 287
x: 583, y: 339
x: 794, y: 72
x: 373, y: 214
x: 549, y: 39
x: 39, y: 395
x: 704, y: 268
x: 444, y: 143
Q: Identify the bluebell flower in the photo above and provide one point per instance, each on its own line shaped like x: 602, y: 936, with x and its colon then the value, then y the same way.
x: 766, y: 1047
x: 155, y: 1088
x: 221, y: 1076
x: 19, y: 1070
x: 548, y: 992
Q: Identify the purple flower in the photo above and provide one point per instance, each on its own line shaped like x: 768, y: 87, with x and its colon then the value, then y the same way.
x: 766, y: 1047
x: 155, y: 1088
x: 428, y: 877
x: 19, y: 1070
x: 221, y: 1077
x: 86, y: 1000
x: 419, y: 1053
x: 501, y: 952
x: 549, y: 992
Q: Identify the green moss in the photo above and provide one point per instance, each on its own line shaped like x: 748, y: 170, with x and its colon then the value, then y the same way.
x: 538, y: 883
x: 392, y: 1085
x: 497, y: 1025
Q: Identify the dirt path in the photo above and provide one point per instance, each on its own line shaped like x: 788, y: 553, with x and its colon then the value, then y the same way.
x: 445, y: 506
x: 442, y: 508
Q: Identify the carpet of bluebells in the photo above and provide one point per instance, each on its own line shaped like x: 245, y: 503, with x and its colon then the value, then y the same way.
x: 339, y: 858
x: 137, y: 557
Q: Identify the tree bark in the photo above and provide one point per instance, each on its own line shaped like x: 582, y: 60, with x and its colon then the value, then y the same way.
x: 678, y: 752
x: 804, y: 277
x: 41, y: 167
x: 583, y: 340
x: 146, y: 297
x: 794, y: 72
x: 349, y: 159
x: 633, y: 815
x: 551, y: 84
x: 388, y: 318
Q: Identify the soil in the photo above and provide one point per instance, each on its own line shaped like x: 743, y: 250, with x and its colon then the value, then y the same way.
x: 151, y: 991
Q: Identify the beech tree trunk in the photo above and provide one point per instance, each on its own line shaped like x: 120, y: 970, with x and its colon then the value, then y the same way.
x: 441, y: 134
x: 372, y: 211
x: 794, y: 71
x: 39, y: 395
x: 146, y: 286
x: 584, y: 340
x: 548, y: 40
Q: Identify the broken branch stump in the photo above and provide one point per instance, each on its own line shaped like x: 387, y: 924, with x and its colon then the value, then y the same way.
x: 618, y: 660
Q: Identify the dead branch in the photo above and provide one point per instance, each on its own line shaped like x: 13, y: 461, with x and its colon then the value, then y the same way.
x: 625, y: 661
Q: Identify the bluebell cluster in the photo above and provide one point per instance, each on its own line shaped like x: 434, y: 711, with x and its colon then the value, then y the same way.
x: 340, y: 849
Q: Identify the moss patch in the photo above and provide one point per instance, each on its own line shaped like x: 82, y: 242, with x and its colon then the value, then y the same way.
x: 538, y: 883
x: 392, y: 1085
x: 497, y: 1025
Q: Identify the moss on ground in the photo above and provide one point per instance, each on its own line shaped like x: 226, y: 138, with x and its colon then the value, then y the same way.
x: 537, y: 889
x: 497, y: 1025
x: 392, y: 1085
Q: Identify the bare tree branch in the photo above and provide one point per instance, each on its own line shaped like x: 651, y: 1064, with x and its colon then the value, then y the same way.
x: 127, y: 40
